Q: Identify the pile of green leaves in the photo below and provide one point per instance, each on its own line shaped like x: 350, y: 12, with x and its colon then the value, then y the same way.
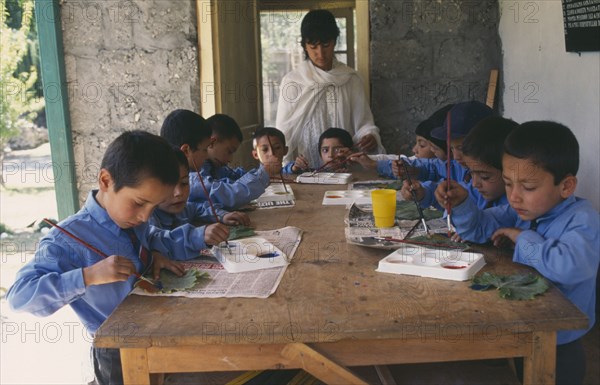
x: 515, y: 287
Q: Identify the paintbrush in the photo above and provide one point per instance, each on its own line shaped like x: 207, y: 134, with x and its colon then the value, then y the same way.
x: 281, y: 170
x: 448, y: 176
x: 156, y: 284
x: 414, y: 195
x: 210, y: 203
x: 411, y: 242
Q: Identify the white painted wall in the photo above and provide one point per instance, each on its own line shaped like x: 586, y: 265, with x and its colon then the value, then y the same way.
x: 544, y: 82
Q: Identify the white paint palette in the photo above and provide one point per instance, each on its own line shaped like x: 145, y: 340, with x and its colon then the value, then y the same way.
x: 276, y: 196
x: 345, y: 197
x: 324, y: 177
x: 249, y: 254
x: 450, y: 264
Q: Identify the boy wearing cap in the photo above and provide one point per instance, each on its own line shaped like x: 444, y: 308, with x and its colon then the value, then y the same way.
x: 552, y: 230
x: 426, y: 146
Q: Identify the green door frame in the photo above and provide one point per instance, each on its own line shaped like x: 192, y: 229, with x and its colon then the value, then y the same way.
x: 54, y: 80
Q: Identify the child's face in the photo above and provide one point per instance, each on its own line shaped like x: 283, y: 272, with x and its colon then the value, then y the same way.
x: 486, y: 179
x: 531, y: 190
x: 176, y: 203
x: 221, y: 151
x: 265, y: 154
x: 332, y: 148
x: 456, y: 147
x: 131, y: 206
x: 422, y: 149
x: 197, y: 156
x: 437, y: 151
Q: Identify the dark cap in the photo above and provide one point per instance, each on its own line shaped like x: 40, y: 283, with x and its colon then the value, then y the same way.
x: 432, y: 122
x: 463, y: 116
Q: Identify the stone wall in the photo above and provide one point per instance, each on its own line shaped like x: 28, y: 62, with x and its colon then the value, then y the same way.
x: 426, y: 54
x: 128, y: 64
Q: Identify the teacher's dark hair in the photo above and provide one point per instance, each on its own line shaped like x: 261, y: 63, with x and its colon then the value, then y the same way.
x: 318, y: 26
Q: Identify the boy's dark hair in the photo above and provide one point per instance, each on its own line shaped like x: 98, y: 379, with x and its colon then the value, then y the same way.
x: 185, y: 127
x: 434, y: 121
x: 341, y: 134
x: 549, y: 145
x: 267, y: 131
x: 318, y: 26
x: 138, y: 155
x: 181, y: 158
x: 225, y: 127
x: 485, y: 141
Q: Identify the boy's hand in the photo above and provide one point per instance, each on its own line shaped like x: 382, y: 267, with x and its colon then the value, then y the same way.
x: 363, y: 159
x: 416, y: 186
x: 162, y: 262
x: 112, y: 269
x: 400, y: 172
x: 273, y: 167
x: 215, y: 233
x: 367, y: 143
x: 453, y: 196
x: 300, y: 164
x: 236, y: 218
x: 505, y: 237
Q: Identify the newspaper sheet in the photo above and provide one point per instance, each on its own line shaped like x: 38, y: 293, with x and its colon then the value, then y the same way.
x: 251, y: 284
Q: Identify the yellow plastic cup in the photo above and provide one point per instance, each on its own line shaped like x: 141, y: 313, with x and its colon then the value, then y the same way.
x: 384, y: 207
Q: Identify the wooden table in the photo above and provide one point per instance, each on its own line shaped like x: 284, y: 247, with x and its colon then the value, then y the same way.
x: 332, y: 310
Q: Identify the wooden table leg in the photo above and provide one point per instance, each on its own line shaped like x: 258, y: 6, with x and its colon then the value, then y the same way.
x: 135, y: 367
x: 540, y: 366
x: 319, y: 366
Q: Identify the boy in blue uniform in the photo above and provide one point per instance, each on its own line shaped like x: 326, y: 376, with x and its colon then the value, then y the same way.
x: 177, y: 211
x: 233, y: 188
x: 269, y: 148
x: 553, y: 231
x: 482, y: 152
x: 138, y: 171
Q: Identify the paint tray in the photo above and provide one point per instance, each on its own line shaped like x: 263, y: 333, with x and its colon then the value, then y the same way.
x: 324, y: 177
x: 345, y: 197
x: 451, y: 264
x: 276, y: 196
x: 248, y: 254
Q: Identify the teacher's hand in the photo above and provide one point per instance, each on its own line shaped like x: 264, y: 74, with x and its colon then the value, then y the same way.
x: 367, y: 143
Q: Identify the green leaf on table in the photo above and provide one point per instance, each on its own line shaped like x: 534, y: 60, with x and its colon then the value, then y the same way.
x: 172, y: 282
x: 440, y: 240
x: 241, y: 231
x: 514, y: 287
x: 408, y: 210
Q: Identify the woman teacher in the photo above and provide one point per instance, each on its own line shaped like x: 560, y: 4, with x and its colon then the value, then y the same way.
x: 323, y: 93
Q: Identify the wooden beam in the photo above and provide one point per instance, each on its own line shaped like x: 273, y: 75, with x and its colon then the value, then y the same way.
x: 135, y: 367
x: 492, y: 84
x: 318, y: 365
x: 54, y: 80
x: 539, y: 367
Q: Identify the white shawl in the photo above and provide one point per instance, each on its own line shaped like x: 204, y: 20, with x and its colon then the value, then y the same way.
x: 312, y: 100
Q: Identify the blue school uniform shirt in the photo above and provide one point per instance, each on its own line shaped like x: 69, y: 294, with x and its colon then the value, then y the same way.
x: 230, y: 194
x: 563, y: 248
x: 430, y: 169
x: 193, y: 212
x: 54, y: 278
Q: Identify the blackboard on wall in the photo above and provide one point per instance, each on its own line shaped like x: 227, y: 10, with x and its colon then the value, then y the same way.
x: 582, y: 25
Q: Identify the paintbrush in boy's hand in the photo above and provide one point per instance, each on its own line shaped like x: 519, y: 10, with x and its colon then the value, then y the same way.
x: 210, y: 203
x: 154, y: 283
x: 280, y: 170
x: 448, y: 175
x: 414, y: 195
